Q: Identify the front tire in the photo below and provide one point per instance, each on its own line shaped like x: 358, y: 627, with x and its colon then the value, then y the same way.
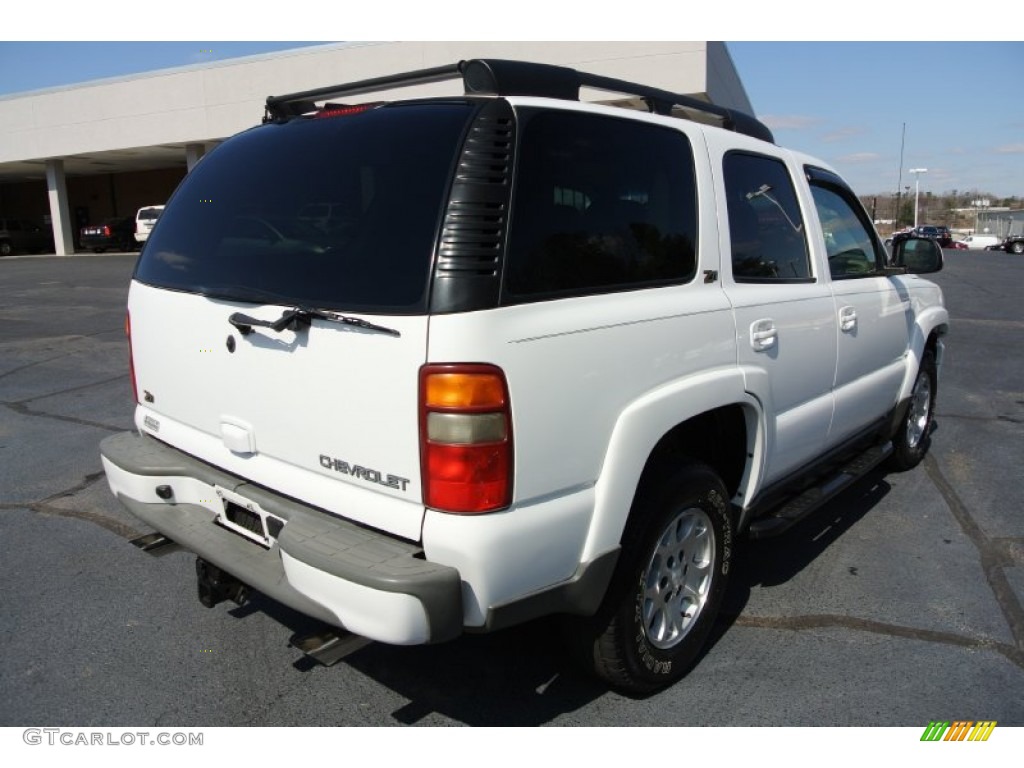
x: 668, y: 585
x: 914, y: 436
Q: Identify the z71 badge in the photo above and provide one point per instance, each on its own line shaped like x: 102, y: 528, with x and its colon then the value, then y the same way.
x: 364, y: 473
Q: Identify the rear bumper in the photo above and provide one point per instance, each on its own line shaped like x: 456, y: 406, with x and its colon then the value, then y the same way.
x: 369, y: 583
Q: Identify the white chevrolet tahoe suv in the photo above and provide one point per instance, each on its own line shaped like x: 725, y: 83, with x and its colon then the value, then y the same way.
x: 534, y: 356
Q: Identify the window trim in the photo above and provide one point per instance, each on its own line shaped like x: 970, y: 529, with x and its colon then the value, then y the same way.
x: 812, y: 277
x: 825, y: 179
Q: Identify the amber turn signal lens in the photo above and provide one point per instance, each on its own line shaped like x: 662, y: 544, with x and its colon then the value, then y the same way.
x: 464, y: 390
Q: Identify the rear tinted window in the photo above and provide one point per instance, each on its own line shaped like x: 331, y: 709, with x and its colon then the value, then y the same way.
x: 602, y: 204
x: 333, y: 213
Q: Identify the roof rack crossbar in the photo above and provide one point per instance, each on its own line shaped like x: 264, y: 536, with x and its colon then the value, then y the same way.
x: 292, y: 104
x: 504, y: 77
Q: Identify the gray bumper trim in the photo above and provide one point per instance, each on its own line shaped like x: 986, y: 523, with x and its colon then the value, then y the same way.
x: 338, y: 547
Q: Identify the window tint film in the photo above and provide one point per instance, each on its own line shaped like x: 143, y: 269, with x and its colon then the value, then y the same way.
x: 334, y: 213
x: 765, y: 225
x: 601, y: 204
x: 848, y: 243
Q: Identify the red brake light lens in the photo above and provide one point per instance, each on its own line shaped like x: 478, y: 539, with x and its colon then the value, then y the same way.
x: 465, y: 438
x: 339, y: 110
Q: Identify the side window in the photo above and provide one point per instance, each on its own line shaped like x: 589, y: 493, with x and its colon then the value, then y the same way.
x: 765, y: 225
x: 848, y: 242
x: 601, y: 204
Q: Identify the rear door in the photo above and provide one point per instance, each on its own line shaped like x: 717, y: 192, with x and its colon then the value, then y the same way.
x: 322, y: 409
x: 785, y: 321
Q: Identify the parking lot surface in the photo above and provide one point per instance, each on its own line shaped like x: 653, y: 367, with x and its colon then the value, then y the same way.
x: 897, y: 604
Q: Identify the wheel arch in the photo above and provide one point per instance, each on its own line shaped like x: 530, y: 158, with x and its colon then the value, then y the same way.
x: 929, y: 328
x: 671, y: 424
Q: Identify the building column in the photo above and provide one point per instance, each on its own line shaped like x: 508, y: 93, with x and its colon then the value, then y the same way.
x: 193, y: 152
x: 60, y: 211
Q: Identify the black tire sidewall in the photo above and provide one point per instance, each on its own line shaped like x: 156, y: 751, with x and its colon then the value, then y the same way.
x: 906, y: 456
x: 696, y: 486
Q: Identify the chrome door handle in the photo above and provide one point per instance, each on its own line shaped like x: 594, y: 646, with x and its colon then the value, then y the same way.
x: 847, y: 318
x: 763, y: 335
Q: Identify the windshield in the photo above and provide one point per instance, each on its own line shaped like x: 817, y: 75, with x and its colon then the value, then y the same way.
x: 334, y: 213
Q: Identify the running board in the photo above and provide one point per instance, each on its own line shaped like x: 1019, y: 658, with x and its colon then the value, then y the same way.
x: 155, y: 544
x: 330, y: 646
x: 796, y: 509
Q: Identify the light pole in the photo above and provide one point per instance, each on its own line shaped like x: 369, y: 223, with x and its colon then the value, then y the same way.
x: 917, y: 188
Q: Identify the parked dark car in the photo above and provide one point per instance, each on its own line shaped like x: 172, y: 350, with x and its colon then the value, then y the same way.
x: 941, y: 235
x: 1012, y: 244
x: 116, y: 233
x: 23, y: 235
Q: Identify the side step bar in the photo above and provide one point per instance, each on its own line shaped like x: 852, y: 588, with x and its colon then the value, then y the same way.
x: 790, y: 513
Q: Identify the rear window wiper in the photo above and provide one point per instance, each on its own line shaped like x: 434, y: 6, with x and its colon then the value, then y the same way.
x: 300, y: 318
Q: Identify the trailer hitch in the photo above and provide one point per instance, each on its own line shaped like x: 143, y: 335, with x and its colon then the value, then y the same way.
x: 215, y: 585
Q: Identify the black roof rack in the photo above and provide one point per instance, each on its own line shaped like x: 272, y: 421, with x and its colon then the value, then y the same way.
x: 503, y: 77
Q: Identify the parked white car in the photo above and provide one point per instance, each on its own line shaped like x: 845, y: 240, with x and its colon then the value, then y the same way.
x: 559, y: 358
x: 980, y: 242
x: 145, y: 220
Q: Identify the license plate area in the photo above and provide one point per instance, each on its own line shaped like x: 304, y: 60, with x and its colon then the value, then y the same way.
x: 247, y: 518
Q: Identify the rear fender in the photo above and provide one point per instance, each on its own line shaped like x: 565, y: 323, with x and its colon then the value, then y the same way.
x: 639, y: 429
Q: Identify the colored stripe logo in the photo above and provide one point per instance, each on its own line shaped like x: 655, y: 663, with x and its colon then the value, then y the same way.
x: 959, y: 730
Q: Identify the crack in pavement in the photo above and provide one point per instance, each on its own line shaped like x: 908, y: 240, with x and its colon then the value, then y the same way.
x: 75, y: 388
x: 992, y: 552
x: 827, y: 621
x: 995, y: 554
x: 997, y: 417
x: 24, y: 410
x: 62, y: 355
x: 46, y: 507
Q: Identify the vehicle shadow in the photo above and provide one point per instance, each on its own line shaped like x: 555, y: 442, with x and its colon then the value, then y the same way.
x: 516, y: 677
x: 775, y: 561
x: 524, y: 676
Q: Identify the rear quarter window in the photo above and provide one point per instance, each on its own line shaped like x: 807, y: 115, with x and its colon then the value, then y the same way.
x: 601, y: 204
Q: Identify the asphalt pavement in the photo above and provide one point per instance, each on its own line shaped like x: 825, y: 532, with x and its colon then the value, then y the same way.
x: 897, y: 604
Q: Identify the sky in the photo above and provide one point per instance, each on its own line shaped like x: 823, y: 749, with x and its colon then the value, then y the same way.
x: 843, y: 102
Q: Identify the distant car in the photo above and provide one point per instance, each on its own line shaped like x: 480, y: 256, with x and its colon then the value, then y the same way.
x: 113, y: 233
x: 18, y: 234
x: 1013, y: 244
x: 145, y: 220
x: 938, y: 234
x: 980, y: 242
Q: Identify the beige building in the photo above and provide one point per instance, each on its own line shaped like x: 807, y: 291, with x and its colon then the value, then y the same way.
x: 76, y: 155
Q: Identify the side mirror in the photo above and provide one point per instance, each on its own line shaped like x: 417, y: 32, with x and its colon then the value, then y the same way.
x: 918, y: 255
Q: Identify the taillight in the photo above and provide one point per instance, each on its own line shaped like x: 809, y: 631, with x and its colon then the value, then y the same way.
x: 465, y: 438
x: 131, y: 359
x: 106, y: 231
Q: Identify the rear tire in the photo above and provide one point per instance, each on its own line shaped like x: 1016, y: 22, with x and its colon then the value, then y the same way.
x: 1017, y: 247
x: 668, y: 585
x: 5, y: 248
x: 914, y: 436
